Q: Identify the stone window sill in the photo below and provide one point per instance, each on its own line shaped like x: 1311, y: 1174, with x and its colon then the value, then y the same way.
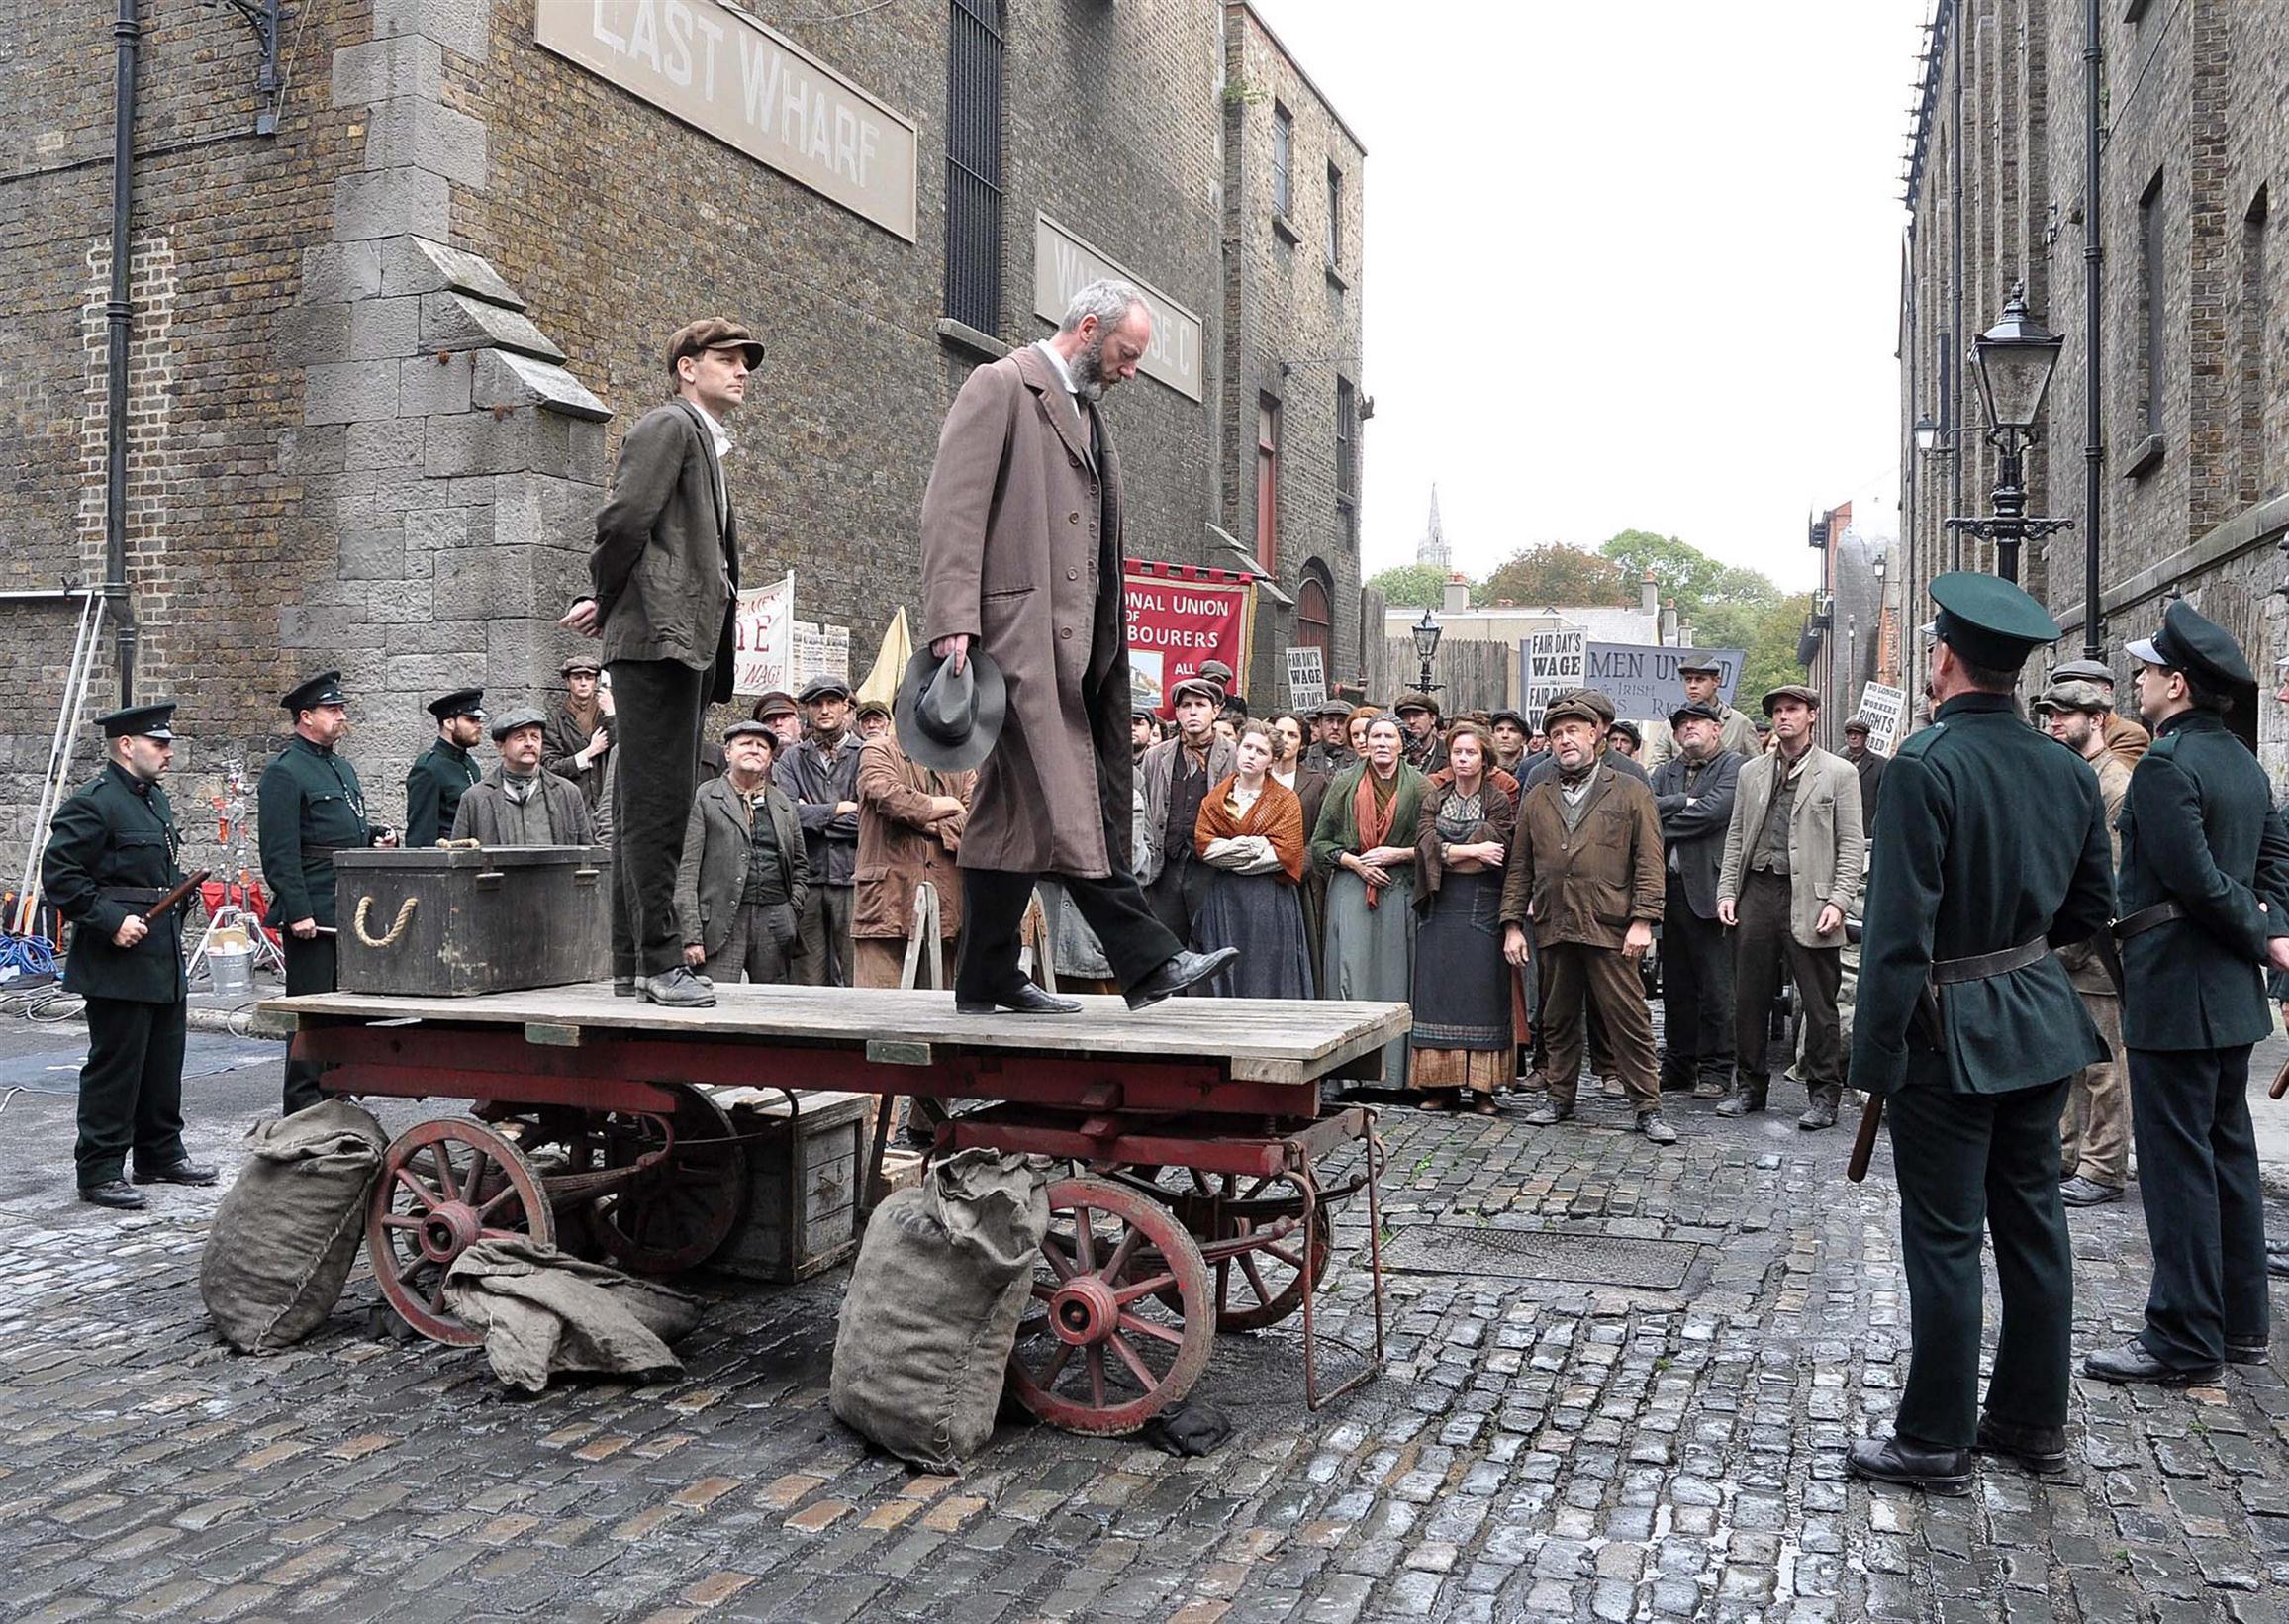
x: 2144, y: 457
x: 965, y: 336
x: 1336, y: 280
x: 1285, y: 228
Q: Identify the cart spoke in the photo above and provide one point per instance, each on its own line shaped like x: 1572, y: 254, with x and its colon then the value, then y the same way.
x: 1122, y: 1253
x: 477, y: 1166
x: 1136, y: 1288
x: 1145, y: 1378
x: 438, y: 1294
x: 1095, y: 1358
x: 400, y: 1220
x: 1293, y: 1260
x: 506, y: 1192
x: 446, y: 1183
x: 1084, y: 1240
x: 406, y: 1271
x: 420, y: 1191
x: 1145, y: 1327
x: 1264, y: 1293
x: 1051, y: 1246
x: 1056, y: 1365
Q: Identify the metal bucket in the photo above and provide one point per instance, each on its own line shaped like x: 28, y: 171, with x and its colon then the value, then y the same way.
x: 231, y: 964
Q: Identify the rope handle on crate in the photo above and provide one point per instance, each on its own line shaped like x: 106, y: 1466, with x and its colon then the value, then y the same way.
x: 397, y: 929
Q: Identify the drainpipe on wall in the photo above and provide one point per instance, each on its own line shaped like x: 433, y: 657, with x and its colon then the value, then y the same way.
x: 117, y: 314
x: 2093, y: 279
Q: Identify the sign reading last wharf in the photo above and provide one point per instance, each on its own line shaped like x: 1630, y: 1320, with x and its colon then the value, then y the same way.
x: 725, y: 73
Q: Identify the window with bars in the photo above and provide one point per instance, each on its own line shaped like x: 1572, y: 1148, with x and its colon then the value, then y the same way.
x: 1268, y: 484
x: 1334, y: 218
x: 1346, y: 440
x: 974, y: 164
x: 1283, y: 160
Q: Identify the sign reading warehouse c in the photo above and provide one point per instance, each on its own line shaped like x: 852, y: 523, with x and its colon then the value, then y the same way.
x: 727, y: 75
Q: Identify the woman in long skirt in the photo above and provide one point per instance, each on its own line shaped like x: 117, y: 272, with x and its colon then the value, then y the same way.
x: 1364, y: 846
x: 1250, y: 835
x: 1463, y: 1039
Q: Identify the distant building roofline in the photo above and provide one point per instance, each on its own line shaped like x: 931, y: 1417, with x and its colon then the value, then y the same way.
x: 1281, y: 45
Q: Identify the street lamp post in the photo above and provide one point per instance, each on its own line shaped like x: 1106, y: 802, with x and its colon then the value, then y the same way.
x: 1427, y: 633
x: 2012, y: 362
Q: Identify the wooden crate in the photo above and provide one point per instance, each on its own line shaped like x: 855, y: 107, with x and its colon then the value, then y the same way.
x: 828, y: 1150
x: 501, y: 920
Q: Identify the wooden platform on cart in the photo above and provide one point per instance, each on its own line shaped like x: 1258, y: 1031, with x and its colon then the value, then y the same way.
x: 1281, y: 1041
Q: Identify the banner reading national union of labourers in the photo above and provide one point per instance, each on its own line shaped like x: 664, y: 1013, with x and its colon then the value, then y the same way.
x: 726, y: 74
x: 1181, y: 616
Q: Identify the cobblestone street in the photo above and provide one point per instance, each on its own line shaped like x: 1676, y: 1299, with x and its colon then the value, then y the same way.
x: 1541, y: 1447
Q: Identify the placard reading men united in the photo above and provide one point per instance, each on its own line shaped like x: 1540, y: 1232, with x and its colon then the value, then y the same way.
x: 725, y: 73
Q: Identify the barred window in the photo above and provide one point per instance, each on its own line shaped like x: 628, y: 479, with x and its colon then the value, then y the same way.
x: 974, y: 164
x: 1283, y: 160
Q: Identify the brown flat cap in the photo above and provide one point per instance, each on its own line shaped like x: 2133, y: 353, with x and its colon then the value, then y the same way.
x: 1573, y: 706
x: 1791, y: 690
x: 713, y: 332
x: 1417, y: 701
x: 580, y: 662
x: 1599, y: 703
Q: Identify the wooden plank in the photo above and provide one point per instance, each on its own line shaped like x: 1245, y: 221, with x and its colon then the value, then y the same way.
x: 1259, y: 1039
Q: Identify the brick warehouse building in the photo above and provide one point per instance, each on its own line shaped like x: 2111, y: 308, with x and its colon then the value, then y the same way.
x: 382, y: 356
x: 2192, y: 312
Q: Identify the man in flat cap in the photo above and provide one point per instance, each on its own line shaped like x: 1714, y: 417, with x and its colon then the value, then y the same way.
x: 1702, y: 677
x: 743, y: 879
x: 519, y: 801
x: 1794, y: 852
x: 1426, y: 742
x: 2205, y: 912
x: 1021, y: 531
x: 309, y: 805
x: 2094, y: 1127
x: 778, y: 711
x: 1510, y: 733
x: 1870, y: 764
x: 444, y: 773
x: 2124, y: 737
x: 666, y: 576
x: 1544, y: 764
x: 577, y: 742
x: 1329, y: 751
x: 1992, y: 852
x: 819, y: 774
x: 1173, y: 778
x: 1585, y: 874
x: 111, y: 854
x: 1694, y: 793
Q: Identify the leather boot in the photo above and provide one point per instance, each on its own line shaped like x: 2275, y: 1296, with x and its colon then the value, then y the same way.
x: 1749, y: 1090
x: 1821, y: 1112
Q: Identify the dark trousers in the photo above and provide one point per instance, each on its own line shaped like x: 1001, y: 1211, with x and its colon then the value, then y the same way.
x: 2204, y: 1216
x: 131, y: 1090
x: 309, y: 969
x: 993, y: 910
x: 1762, y: 948
x: 1599, y: 1050
x: 824, y: 926
x: 1696, y: 996
x: 1581, y: 981
x: 1173, y: 900
x: 660, y: 705
x: 1970, y: 1164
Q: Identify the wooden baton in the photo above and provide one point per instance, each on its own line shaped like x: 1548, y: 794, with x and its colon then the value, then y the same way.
x: 1863, y: 1144
x: 2280, y: 1082
x: 177, y: 897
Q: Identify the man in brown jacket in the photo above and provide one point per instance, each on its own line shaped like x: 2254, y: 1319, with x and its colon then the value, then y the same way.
x: 1021, y: 556
x: 1586, y: 870
x: 2126, y: 740
x: 666, y: 574
x: 910, y: 826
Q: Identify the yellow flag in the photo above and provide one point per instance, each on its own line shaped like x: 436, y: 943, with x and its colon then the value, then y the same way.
x: 898, y: 647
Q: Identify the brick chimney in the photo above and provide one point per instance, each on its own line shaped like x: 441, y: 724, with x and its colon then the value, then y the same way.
x: 1649, y: 593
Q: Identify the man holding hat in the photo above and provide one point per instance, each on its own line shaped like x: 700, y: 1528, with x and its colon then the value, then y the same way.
x: 444, y: 773
x: 577, y: 743
x: 1703, y: 678
x: 1021, y: 562
x: 819, y: 774
x: 665, y: 570
x: 520, y: 802
x: 745, y: 876
x: 2094, y: 1127
x: 1426, y: 746
x: 1992, y: 852
x: 2124, y: 738
x: 1868, y: 764
x: 2205, y: 909
x: 111, y: 854
x: 1794, y: 852
x: 1694, y: 793
x: 309, y: 805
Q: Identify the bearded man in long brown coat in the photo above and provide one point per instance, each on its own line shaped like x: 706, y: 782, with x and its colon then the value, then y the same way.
x: 1021, y: 558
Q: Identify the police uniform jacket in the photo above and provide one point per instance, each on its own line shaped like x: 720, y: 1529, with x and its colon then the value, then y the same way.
x: 438, y: 778
x: 111, y: 853
x: 308, y: 806
x: 2198, y: 829
x: 1992, y: 836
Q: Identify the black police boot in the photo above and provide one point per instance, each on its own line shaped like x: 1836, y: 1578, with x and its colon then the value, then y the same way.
x: 114, y: 1193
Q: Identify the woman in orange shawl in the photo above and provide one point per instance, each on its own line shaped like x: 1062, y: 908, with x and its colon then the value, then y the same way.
x: 1250, y: 835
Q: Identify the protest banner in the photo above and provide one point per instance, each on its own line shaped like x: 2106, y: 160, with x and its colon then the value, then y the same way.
x: 1180, y: 616
x: 1553, y: 663
x: 1642, y: 678
x: 1885, y: 709
x: 1306, y: 679
x: 763, y: 638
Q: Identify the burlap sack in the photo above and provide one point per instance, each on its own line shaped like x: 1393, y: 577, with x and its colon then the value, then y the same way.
x: 942, y: 1277
x: 286, y: 1233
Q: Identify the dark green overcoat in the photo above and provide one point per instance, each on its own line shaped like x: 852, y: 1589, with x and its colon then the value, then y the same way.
x: 113, y: 834
x: 308, y: 806
x: 435, y: 784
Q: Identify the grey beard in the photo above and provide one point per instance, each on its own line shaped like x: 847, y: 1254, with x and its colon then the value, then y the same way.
x: 1088, y: 371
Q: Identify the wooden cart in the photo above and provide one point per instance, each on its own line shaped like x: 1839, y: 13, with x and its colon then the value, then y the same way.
x: 1203, y: 1203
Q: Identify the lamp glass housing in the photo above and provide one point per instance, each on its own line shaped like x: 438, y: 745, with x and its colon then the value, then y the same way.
x: 1927, y: 433
x: 2013, y: 362
x: 1427, y: 633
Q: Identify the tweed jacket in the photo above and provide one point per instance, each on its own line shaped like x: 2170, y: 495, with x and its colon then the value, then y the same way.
x: 665, y: 569
x: 717, y: 842
x: 478, y: 818
x: 1155, y: 777
x: 1587, y: 884
x: 1827, y: 843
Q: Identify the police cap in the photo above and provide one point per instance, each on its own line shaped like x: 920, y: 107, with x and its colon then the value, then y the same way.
x: 1988, y: 621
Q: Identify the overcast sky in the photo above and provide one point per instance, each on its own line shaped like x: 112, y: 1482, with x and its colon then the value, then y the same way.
x: 1630, y: 264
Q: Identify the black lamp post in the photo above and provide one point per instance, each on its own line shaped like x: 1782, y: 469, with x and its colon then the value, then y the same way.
x: 1427, y: 633
x: 2012, y: 362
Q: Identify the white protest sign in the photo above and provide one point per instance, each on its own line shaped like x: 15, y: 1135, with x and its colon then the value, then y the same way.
x: 1307, y: 678
x: 1885, y: 709
x: 763, y: 638
x: 819, y: 651
x: 1554, y: 663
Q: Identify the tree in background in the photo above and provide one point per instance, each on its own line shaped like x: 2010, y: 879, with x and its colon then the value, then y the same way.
x: 1415, y: 586
x: 1554, y: 575
x: 1766, y: 635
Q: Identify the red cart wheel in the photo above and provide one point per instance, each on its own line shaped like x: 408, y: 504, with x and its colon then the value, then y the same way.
x: 677, y: 1213
x: 1259, y: 1278
x: 446, y: 1184
x: 1099, y: 1351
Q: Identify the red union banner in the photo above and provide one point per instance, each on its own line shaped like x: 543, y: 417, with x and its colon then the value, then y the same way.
x: 1178, y: 616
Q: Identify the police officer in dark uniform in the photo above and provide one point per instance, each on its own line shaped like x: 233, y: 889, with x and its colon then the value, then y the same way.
x: 111, y: 854
x: 1991, y: 853
x: 442, y: 773
x: 2205, y: 909
x: 308, y: 806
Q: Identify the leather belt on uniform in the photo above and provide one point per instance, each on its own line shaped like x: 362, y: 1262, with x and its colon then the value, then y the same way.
x: 142, y: 896
x: 1983, y: 966
x: 2146, y: 918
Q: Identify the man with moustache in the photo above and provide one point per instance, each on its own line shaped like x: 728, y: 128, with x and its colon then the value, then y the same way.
x: 1693, y: 792
x: 309, y: 805
x: 444, y: 773
x: 1021, y: 530
x: 111, y: 854
x: 520, y: 802
x: 1329, y: 751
